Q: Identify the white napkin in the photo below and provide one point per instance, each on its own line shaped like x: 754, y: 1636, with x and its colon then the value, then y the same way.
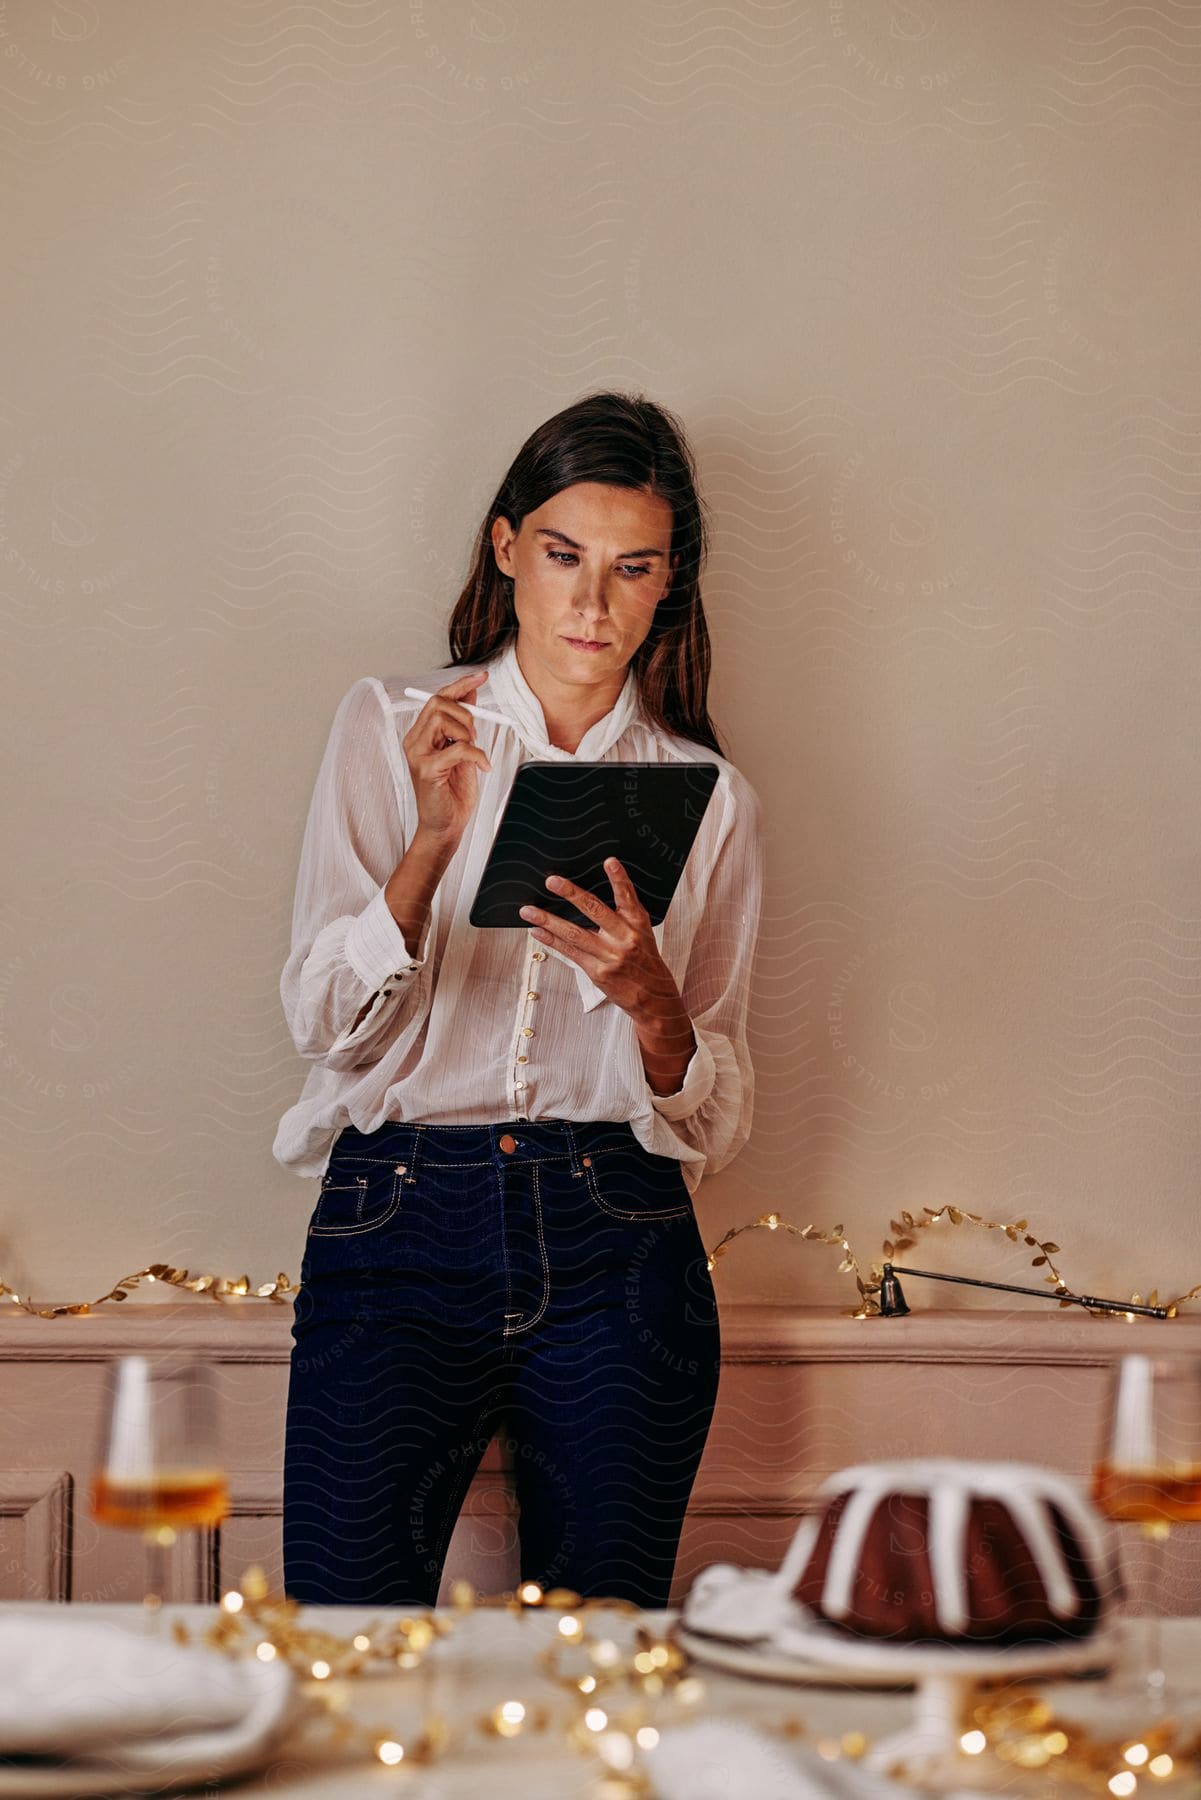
x: 78, y: 1687
x: 740, y: 1605
x: 724, y: 1759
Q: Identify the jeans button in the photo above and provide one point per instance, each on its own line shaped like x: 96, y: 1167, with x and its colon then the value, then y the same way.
x: 508, y: 1144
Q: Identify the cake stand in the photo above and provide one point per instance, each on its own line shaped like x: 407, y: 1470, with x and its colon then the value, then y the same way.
x: 944, y: 1676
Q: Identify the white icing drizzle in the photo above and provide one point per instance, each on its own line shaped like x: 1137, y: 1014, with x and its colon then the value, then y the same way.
x: 844, y: 1552
x: 1034, y: 1522
x: 949, y: 1485
x: 946, y: 1546
x: 797, y: 1554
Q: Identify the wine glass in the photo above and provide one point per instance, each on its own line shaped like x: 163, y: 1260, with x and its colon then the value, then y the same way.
x: 1149, y: 1473
x: 158, y: 1470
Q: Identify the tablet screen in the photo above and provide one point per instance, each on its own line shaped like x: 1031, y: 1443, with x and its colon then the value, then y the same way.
x: 565, y: 818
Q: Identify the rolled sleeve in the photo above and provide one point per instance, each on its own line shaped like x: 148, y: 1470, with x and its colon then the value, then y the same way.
x: 376, y: 949
x: 711, y: 1112
x: 696, y: 1087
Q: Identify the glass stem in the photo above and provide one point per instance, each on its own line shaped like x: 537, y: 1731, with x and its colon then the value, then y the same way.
x: 1155, y: 1674
x: 158, y: 1540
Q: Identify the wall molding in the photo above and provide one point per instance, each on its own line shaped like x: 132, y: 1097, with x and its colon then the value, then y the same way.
x: 804, y: 1390
x: 37, y: 1507
x: 257, y: 1331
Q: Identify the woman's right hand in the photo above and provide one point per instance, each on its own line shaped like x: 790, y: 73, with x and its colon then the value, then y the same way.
x: 444, y: 760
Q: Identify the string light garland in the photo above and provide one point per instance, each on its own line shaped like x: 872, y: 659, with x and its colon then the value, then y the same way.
x: 903, y: 1235
x: 1022, y: 1731
x: 613, y: 1697
x: 610, y: 1696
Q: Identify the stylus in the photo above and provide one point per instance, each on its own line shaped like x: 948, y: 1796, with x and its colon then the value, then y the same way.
x: 481, y: 712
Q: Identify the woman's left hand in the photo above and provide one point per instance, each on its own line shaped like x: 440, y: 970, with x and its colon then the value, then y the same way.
x: 622, y: 957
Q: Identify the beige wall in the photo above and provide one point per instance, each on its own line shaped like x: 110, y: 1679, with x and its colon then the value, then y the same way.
x: 285, y: 288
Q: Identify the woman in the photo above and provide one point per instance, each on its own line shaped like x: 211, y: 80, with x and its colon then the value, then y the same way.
x: 510, y: 1127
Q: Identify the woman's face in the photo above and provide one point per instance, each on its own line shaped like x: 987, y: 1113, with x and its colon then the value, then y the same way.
x: 589, y: 567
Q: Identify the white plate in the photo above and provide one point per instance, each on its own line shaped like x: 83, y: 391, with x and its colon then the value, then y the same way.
x: 66, y: 1781
x: 767, y: 1664
x: 816, y: 1652
x: 72, y: 1779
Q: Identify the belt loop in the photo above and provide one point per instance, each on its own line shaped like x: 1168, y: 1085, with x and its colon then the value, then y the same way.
x: 574, y: 1150
x: 414, y: 1156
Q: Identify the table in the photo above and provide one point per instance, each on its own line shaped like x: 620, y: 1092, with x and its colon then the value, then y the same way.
x: 493, y: 1661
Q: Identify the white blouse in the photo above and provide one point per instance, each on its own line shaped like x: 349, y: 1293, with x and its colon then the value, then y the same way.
x: 480, y: 1026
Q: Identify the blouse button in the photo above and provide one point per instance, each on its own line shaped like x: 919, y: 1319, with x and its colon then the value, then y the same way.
x: 531, y: 995
x: 540, y: 956
x: 519, y: 1084
x: 523, y: 1059
x: 527, y: 1031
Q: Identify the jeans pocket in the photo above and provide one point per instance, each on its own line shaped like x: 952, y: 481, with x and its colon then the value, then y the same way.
x: 351, y: 1203
x: 634, y: 1184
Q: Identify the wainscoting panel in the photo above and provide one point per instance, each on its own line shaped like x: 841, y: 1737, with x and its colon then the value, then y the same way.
x: 802, y: 1394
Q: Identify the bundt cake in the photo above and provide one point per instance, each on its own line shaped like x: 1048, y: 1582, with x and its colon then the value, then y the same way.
x: 943, y: 1551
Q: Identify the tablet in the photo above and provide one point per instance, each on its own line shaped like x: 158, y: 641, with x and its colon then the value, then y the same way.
x: 564, y: 818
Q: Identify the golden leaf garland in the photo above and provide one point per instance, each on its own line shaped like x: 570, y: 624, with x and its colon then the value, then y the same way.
x: 217, y: 1287
x: 904, y: 1235
x: 904, y: 1231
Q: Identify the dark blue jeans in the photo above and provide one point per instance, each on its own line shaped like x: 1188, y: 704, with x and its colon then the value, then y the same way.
x: 544, y: 1279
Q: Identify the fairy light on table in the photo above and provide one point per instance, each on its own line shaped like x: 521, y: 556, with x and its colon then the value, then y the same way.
x: 611, y: 1693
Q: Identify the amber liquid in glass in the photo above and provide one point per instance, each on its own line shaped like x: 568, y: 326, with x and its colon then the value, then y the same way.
x: 1145, y: 1495
x: 182, y: 1498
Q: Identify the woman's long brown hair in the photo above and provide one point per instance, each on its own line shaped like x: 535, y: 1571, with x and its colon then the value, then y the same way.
x: 627, y: 441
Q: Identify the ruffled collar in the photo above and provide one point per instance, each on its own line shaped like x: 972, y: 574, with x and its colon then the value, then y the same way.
x: 515, y: 697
